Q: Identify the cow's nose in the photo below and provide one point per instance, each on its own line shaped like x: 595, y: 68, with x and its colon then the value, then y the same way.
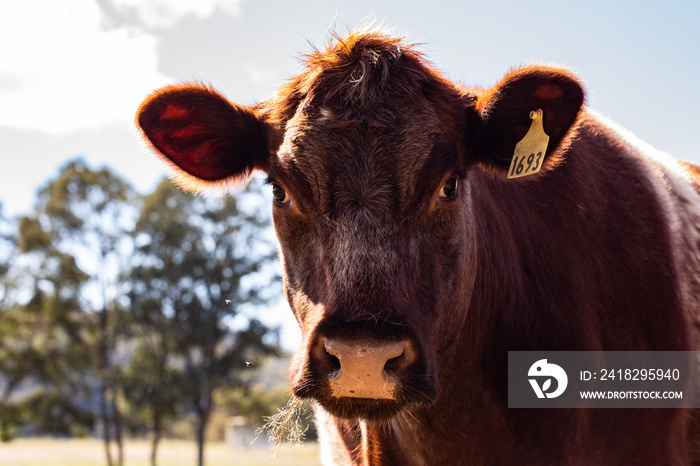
x: 367, y: 368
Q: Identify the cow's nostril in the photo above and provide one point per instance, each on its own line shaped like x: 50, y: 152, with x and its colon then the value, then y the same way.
x: 329, y: 360
x: 333, y: 363
x: 394, y: 366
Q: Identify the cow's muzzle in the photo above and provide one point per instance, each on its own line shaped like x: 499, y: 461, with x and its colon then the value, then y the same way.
x: 361, y: 370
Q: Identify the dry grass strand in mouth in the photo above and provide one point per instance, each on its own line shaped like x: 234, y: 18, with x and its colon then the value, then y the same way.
x: 286, y: 428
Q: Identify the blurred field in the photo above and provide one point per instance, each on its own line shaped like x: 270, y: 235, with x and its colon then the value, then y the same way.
x: 90, y: 452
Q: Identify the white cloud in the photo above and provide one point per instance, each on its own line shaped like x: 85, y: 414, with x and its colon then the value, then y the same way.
x: 61, y: 71
x: 165, y: 13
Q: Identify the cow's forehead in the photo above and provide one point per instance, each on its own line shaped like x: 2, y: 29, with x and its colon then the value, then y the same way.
x: 360, y: 161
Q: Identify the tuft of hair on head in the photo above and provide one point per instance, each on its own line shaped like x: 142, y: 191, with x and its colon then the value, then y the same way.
x: 358, y: 67
x: 359, y: 71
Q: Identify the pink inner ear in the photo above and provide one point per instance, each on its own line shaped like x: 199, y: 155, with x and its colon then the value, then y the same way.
x: 549, y: 92
x: 189, y: 132
x: 175, y: 112
x: 195, y: 149
x: 184, y: 130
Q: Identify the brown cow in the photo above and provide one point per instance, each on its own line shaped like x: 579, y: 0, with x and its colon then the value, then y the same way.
x: 413, y: 264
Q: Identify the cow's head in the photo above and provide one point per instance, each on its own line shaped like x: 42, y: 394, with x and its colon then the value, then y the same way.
x: 369, y: 153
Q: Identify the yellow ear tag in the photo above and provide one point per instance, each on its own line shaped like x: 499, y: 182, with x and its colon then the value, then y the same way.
x: 529, y: 152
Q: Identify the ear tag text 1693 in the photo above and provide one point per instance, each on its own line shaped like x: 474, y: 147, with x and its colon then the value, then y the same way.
x: 530, y: 151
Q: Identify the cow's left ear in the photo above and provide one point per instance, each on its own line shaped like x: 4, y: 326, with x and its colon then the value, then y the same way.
x: 504, y: 115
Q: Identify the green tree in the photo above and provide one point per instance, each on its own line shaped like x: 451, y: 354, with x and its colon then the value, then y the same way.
x: 87, y: 214
x: 8, y: 250
x: 153, y: 385
x: 9, y: 380
x: 43, y: 335
x: 200, y: 261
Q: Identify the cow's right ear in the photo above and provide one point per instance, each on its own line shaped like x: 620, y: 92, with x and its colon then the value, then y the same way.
x: 206, y: 138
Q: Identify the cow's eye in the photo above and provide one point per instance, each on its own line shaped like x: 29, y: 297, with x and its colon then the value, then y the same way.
x: 449, y: 189
x: 279, y: 194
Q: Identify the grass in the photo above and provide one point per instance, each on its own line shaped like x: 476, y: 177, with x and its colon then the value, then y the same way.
x: 90, y: 452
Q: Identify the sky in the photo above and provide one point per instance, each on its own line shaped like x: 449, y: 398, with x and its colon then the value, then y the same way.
x: 72, y: 73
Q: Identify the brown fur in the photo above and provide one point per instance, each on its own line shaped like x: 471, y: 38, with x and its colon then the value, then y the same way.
x: 586, y: 255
